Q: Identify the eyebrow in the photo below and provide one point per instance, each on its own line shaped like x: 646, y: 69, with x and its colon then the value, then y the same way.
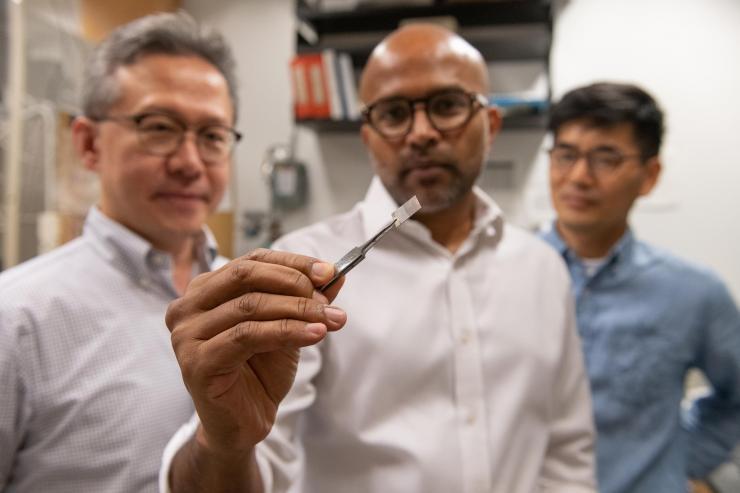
x: 454, y: 87
x: 205, y: 122
x: 564, y: 145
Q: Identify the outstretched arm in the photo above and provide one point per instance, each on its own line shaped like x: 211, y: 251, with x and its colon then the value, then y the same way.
x: 237, y: 333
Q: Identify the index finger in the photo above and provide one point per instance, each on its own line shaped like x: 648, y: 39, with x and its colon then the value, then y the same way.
x: 261, y: 270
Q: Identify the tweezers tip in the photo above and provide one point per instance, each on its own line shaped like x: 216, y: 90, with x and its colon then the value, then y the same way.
x: 407, y: 210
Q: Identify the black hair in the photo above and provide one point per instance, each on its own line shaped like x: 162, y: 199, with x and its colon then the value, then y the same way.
x: 606, y: 104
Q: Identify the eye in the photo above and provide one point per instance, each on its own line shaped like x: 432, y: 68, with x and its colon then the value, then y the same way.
x: 215, y: 135
x: 605, y: 159
x: 448, y: 104
x: 565, y: 155
x: 158, y: 124
x: 391, y: 112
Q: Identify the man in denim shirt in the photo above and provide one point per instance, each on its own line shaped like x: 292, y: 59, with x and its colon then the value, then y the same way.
x: 645, y: 316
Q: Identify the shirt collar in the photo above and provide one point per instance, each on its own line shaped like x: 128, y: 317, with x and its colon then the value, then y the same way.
x: 378, y: 205
x: 206, y: 246
x: 622, y: 249
x: 132, y: 253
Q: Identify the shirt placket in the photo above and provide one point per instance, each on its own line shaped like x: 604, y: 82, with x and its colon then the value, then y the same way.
x: 469, y: 388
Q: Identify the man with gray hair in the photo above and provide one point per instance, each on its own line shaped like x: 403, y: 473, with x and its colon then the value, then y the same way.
x: 90, y: 389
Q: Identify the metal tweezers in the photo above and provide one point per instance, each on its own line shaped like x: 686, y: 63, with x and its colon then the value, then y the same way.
x: 357, y: 254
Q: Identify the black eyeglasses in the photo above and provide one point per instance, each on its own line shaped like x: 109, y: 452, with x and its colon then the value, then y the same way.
x: 601, y: 162
x: 446, y: 111
x: 162, y: 134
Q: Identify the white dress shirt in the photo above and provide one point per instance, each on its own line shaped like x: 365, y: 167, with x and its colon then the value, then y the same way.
x: 455, y: 372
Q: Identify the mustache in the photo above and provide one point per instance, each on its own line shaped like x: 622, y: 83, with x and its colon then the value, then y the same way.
x: 414, y: 163
x: 449, y: 168
x: 578, y: 193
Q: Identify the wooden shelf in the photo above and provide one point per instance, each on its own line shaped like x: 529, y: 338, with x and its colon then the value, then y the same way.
x: 502, y: 30
x: 386, y: 18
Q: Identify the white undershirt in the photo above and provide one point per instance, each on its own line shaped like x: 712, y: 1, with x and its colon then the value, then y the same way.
x: 591, y: 265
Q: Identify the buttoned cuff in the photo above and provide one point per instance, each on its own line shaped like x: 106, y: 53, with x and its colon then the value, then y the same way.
x: 185, y: 433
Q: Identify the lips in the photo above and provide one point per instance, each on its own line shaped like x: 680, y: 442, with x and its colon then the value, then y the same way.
x: 426, y: 172
x: 182, y: 197
x: 577, y: 201
x: 425, y: 167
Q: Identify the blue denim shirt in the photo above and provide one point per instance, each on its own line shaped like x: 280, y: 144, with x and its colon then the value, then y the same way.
x: 646, y: 317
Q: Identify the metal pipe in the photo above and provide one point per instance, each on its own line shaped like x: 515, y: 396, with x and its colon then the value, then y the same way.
x: 14, y: 148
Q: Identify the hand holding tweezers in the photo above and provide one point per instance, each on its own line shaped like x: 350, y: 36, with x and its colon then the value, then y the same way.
x: 357, y: 254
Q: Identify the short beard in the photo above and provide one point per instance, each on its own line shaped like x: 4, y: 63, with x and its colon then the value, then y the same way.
x: 434, y: 199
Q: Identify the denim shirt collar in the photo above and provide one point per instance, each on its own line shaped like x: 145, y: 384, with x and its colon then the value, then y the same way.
x: 618, y: 262
x: 620, y: 252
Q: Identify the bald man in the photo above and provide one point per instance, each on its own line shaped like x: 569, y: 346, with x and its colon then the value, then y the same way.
x: 459, y: 369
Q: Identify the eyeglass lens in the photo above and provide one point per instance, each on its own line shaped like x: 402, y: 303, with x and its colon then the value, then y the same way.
x: 162, y: 135
x: 599, y: 161
x: 446, y: 111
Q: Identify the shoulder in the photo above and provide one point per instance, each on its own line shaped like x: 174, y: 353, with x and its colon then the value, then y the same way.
x: 315, y: 238
x: 675, y: 266
x: 531, y: 249
x: 30, y: 288
x: 58, y: 276
x: 684, y: 276
x: 523, y: 239
x: 46, y: 270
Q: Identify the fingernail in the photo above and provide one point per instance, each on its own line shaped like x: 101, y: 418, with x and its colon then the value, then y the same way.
x: 316, y: 329
x: 336, y: 316
x: 322, y: 269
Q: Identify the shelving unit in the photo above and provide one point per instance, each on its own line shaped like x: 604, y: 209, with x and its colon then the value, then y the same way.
x: 348, y: 126
x: 502, y: 31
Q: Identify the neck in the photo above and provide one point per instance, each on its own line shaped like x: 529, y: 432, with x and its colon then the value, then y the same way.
x: 182, y: 252
x: 590, y: 244
x: 182, y: 266
x: 450, y: 227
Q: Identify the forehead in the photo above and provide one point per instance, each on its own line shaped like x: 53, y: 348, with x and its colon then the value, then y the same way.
x: 586, y: 134
x: 417, y: 71
x: 179, y: 83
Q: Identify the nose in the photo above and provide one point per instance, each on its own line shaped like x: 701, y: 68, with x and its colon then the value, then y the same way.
x: 422, y: 131
x: 185, y: 160
x: 581, y: 170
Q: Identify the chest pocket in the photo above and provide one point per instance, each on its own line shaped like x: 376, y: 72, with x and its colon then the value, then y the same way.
x: 633, y: 365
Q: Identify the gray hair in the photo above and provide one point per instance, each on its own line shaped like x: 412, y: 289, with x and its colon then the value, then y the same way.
x: 163, y: 33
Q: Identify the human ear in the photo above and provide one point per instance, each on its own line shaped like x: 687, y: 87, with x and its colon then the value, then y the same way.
x: 494, y: 121
x: 84, y: 139
x: 652, y: 173
x: 365, y: 134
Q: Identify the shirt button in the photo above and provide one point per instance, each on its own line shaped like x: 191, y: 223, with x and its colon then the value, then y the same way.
x: 465, y: 337
x: 470, y: 419
x: 145, y: 283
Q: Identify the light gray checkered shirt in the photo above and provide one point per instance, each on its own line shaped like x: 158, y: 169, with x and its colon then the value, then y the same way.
x: 90, y: 391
